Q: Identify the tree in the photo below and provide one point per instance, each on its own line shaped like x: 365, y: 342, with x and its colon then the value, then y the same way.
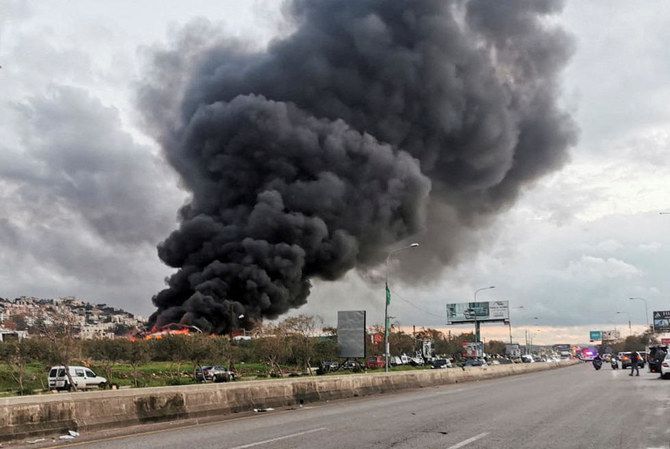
x: 61, y: 329
x: 300, y: 331
x: 494, y: 347
x: 171, y: 348
x: 272, y: 347
x: 106, y: 351
x: 222, y: 349
x: 402, y: 343
x: 639, y: 342
x: 326, y: 349
x: 137, y: 353
x: 17, y: 354
x: 197, y: 348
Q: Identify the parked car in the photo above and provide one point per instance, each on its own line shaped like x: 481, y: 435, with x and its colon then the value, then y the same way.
x: 211, y: 373
x: 327, y: 367
x: 353, y: 365
x: 416, y: 361
x: 375, y: 362
x: 82, y: 377
x: 665, y: 367
x: 440, y: 363
x: 395, y: 361
x: 655, y: 357
x: 475, y: 362
x: 526, y: 358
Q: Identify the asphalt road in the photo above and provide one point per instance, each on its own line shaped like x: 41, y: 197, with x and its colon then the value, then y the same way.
x: 574, y: 407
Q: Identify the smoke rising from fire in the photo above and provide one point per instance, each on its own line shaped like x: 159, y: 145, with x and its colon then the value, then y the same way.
x: 374, y: 121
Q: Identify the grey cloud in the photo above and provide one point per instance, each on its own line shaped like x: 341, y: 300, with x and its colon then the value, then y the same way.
x: 82, y: 203
x: 75, y: 158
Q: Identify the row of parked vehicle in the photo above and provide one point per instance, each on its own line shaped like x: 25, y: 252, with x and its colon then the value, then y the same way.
x: 84, y: 378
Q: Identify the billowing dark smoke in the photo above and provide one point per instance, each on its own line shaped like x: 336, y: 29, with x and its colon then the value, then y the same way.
x: 375, y: 120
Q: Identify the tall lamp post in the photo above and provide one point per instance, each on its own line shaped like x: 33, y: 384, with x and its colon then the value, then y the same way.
x: 509, y: 323
x: 646, y: 312
x: 386, y: 308
x: 477, y: 322
x: 630, y: 331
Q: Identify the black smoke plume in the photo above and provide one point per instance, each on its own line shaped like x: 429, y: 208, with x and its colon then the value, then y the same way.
x: 373, y: 121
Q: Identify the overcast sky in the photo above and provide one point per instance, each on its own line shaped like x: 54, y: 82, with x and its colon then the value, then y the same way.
x: 85, y: 195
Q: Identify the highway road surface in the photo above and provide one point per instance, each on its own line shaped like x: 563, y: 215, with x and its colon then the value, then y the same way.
x: 573, y: 407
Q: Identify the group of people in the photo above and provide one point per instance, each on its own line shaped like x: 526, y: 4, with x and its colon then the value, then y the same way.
x: 634, y: 361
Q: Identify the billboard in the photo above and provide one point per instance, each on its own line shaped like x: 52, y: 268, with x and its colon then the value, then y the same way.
x: 661, y: 320
x: 610, y: 335
x: 469, y: 312
x: 351, y: 333
x: 473, y: 350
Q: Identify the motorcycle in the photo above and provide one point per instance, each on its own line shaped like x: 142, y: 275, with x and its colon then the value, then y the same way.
x: 597, y: 364
x: 614, y: 363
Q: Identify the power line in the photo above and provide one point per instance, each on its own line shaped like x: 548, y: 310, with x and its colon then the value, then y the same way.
x: 415, y: 306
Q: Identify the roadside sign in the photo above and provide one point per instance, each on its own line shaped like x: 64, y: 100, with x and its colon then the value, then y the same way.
x: 610, y: 335
x: 595, y: 335
x: 662, y: 321
x: 470, y: 312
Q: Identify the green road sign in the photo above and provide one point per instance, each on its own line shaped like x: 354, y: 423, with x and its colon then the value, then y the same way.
x: 595, y: 335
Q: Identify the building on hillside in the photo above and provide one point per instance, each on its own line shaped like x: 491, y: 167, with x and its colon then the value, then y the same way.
x: 9, y: 335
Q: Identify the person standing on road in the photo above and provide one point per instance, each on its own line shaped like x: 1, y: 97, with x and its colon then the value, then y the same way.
x: 634, y: 357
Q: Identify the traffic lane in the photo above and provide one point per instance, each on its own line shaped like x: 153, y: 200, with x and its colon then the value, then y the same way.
x: 598, y: 409
x: 569, y: 407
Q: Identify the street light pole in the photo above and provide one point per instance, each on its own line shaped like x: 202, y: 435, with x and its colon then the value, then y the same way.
x: 646, y: 311
x: 509, y: 324
x: 477, y: 337
x: 386, y: 308
x: 630, y: 331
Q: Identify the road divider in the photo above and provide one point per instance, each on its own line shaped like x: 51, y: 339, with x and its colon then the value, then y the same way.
x: 30, y: 416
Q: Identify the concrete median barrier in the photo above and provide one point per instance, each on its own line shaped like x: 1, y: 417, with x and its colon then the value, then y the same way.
x: 30, y: 416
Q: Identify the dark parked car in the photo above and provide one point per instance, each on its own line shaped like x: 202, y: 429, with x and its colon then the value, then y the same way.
x: 475, y: 363
x: 440, y: 363
x: 655, y: 357
x: 352, y: 365
x: 211, y: 373
x: 327, y: 367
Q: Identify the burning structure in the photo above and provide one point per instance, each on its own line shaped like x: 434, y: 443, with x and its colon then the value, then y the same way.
x: 372, y: 121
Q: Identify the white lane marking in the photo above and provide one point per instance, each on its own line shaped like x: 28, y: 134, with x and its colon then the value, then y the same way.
x: 258, y: 443
x: 468, y: 441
